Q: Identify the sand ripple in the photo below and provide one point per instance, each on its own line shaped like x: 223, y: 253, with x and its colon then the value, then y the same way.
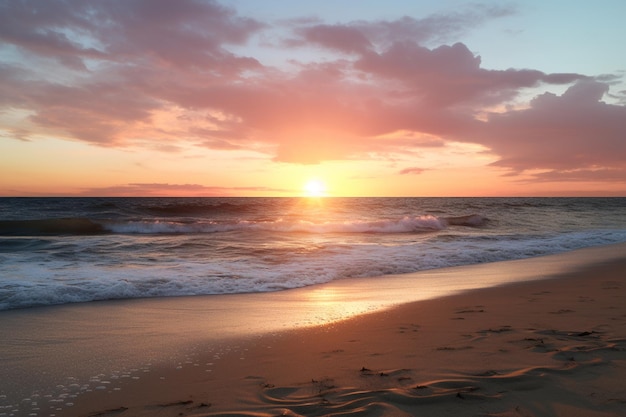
x: 492, y: 392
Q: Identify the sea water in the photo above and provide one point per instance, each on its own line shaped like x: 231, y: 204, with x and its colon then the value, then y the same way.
x: 59, y: 251
x: 68, y: 250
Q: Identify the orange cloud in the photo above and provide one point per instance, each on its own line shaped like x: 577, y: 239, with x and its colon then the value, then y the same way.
x: 412, y: 170
x: 119, y: 66
x: 173, y: 190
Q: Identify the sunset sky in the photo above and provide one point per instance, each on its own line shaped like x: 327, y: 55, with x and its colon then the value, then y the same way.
x: 258, y: 98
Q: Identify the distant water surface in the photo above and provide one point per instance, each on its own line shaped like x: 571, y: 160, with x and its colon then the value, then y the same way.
x: 65, y: 250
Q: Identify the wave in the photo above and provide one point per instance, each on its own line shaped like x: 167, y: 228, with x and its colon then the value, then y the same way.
x: 197, y: 268
x: 185, y: 209
x: 84, y: 226
x: 403, y: 225
x: 472, y: 220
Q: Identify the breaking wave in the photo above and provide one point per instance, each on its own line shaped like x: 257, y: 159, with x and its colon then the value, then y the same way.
x: 83, y: 226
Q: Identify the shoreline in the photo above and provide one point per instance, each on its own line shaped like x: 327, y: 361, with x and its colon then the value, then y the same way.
x: 246, y: 370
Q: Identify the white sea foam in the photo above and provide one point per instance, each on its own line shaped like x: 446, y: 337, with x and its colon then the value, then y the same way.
x: 56, y: 282
x: 131, y: 248
x: 402, y: 225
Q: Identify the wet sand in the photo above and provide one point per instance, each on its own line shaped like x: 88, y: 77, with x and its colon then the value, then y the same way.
x: 552, y: 346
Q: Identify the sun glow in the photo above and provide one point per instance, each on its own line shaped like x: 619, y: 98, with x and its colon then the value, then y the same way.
x: 315, y: 188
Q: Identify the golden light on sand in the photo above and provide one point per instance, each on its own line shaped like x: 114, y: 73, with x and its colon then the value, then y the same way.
x: 315, y: 188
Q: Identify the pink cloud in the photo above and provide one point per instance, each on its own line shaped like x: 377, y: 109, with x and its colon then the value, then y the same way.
x: 139, y: 45
x: 451, y: 75
x: 164, y: 189
x: 181, y: 33
x: 575, y: 134
x: 412, y: 171
x: 437, y: 28
x: 602, y: 174
x: 113, y: 65
x: 339, y: 37
x: 34, y: 26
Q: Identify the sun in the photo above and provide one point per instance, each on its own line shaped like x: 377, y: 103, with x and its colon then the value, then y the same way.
x: 315, y: 188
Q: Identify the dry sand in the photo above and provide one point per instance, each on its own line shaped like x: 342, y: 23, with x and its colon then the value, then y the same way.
x: 555, y: 347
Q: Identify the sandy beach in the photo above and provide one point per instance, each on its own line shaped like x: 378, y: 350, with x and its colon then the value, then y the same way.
x: 549, y: 347
x: 260, y: 208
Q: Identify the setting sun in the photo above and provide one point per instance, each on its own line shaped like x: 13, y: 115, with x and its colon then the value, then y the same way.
x: 315, y: 188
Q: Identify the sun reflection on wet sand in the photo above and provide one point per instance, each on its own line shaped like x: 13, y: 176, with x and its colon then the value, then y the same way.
x: 115, y: 335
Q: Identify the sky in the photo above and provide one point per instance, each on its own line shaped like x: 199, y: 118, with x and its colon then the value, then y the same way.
x: 325, y: 97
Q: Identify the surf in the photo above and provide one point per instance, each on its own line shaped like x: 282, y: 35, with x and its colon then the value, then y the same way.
x: 417, y: 224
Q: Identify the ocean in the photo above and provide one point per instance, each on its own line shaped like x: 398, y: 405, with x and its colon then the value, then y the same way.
x: 71, y: 250
x: 59, y: 256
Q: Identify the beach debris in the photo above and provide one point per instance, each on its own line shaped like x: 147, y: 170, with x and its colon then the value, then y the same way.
x: 562, y: 311
x: 175, y: 403
x: 452, y: 348
x: 410, y: 327
x: 110, y: 411
x: 324, y: 384
x: 502, y: 329
x: 367, y: 371
x: 475, y: 309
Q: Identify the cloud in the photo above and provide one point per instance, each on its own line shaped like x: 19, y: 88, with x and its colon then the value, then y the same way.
x: 433, y: 29
x: 165, y: 189
x: 412, y: 171
x: 185, y: 33
x: 607, y: 175
x: 451, y: 75
x: 124, y: 52
x: 35, y: 27
x: 574, y: 135
x: 340, y: 37
x: 160, y: 73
